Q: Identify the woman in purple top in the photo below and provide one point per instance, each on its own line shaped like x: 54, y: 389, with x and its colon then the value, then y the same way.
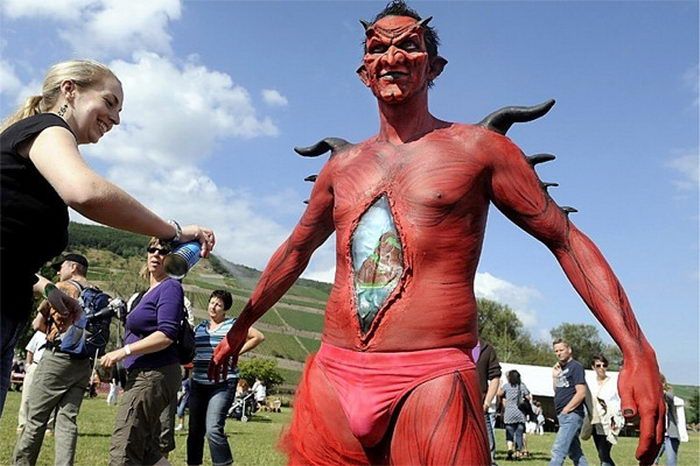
x: 153, y: 368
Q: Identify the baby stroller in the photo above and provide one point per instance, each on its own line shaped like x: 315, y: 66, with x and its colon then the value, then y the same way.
x: 242, y: 407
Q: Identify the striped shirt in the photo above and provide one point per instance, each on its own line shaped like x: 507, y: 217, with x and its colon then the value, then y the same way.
x: 206, y: 341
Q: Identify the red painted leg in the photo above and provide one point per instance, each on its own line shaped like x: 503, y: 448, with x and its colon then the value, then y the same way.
x: 441, y: 423
x: 319, y: 433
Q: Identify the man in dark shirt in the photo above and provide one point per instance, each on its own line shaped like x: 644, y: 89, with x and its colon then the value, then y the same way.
x: 569, y: 381
x: 489, y: 370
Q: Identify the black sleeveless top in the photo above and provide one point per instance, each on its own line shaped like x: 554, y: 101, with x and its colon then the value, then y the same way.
x: 34, y: 222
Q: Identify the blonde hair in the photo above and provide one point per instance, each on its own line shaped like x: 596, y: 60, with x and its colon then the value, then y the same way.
x: 144, y: 273
x: 84, y: 73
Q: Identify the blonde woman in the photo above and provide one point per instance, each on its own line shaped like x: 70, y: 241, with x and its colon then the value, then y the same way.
x: 152, y: 364
x: 42, y: 173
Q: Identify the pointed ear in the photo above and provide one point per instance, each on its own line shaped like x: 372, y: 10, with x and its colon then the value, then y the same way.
x: 362, y: 74
x: 437, y: 64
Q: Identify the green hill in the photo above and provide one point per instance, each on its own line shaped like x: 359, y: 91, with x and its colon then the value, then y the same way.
x: 292, y: 328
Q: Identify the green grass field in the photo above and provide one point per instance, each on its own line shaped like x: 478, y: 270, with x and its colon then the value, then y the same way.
x: 282, y: 346
x: 254, y: 443
x: 271, y: 317
x: 316, y: 305
x: 302, y: 320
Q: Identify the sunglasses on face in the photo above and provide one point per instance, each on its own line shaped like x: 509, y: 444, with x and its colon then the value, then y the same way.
x: 161, y: 251
x: 601, y: 365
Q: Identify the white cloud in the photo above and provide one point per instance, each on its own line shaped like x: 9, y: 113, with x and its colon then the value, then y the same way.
x: 322, y: 265
x: 174, y: 114
x: 112, y: 26
x: 686, y: 164
x: 517, y: 297
x: 59, y: 10
x: 326, y: 275
x: 12, y: 89
x: 244, y: 235
x: 10, y: 84
x: 273, y: 98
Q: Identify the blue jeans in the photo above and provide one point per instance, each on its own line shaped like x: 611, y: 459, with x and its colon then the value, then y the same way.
x: 603, y: 447
x: 10, y: 329
x: 670, y: 447
x: 488, y: 417
x: 567, y: 442
x: 182, y: 404
x: 515, y: 432
x: 208, y: 407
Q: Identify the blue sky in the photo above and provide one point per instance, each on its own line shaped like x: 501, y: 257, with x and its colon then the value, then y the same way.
x: 217, y: 93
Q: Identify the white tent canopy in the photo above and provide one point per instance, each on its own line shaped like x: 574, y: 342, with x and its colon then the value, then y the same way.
x: 539, y: 378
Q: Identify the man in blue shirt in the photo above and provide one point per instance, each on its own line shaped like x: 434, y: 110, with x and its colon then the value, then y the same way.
x: 569, y: 393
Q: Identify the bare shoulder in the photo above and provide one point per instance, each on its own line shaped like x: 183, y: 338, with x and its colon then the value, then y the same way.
x: 56, y: 134
x: 479, y: 143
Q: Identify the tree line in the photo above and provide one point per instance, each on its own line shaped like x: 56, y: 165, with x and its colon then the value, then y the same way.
x: 500, y: 326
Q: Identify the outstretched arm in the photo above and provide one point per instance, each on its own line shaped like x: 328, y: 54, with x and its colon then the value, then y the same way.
x: 283, y: 269
x: 55, y: 155
x: 516, y: 191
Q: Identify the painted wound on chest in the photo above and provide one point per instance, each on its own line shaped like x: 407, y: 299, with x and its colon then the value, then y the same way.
x: 377, y: 261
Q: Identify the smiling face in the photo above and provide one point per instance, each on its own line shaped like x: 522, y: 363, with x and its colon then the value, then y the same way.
x: 396, y: 64
x: 95, y: 109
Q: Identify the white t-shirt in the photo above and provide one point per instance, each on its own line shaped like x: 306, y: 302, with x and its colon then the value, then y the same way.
x: 260, y: 391
x: 37, y: 345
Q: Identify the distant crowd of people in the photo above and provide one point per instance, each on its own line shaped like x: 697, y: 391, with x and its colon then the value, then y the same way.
x: 582, y: 411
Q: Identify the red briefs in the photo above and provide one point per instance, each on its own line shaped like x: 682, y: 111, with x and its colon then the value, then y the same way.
x: 370, y: 385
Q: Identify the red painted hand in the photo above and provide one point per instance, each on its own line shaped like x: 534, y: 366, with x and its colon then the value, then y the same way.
x: 642, y: 394
x: 225, y: 355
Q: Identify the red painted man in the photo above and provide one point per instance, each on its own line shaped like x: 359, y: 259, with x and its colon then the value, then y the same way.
x: 393, y: 381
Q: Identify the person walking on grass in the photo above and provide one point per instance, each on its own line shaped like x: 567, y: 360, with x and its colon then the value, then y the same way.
x: 606, y: 411
x: 60, y: 379
x: 569, y: 382
x: 489, y: 370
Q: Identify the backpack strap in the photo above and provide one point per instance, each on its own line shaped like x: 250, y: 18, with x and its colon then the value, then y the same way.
x: 521, y: 398
x: 76, y: 284
x: 134, y: 301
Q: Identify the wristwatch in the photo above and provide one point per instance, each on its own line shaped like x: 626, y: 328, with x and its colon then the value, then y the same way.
x: 178, y: 231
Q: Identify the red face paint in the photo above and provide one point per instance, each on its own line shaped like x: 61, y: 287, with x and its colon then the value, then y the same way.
x: 396, y: 61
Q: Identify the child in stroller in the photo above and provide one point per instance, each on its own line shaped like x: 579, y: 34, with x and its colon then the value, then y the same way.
x: 243, y: 404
